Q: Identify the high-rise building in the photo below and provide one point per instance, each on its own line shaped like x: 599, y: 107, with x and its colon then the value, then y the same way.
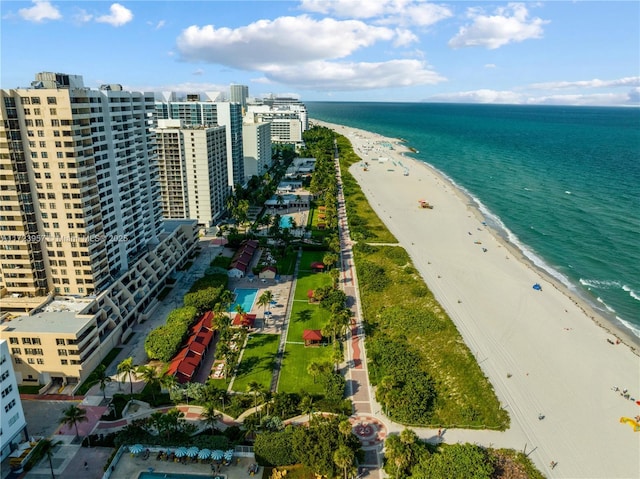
x: 193, y: 171
x: 210, y: 113
x: 288, y: 118
x: 256, y: 139
x: 78, y: 187
x: 12, y: 421
x: 239, y: 94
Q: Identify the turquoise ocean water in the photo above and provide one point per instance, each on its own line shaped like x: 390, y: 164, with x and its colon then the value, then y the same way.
x: 561, y: 183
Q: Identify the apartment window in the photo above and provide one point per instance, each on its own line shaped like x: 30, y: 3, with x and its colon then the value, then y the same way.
x: 17, y: 360
x: 44, y: 154
x: 53, y: 111
x: 39, y: 122
x: 62, y: 352
x: 30, y: 133
x: 35, y: 100
x: 31, y: 361
x: 59, y: 154
x: 56, y: 133
x: 26, y: 340
x: 40, y: 133
x: 35, y: 341
x: 40, y: 361
x: 27, y: 111
x: 14, y: 341
x: 25, y: 100
x: 16, y: 351
x: 55, y: 122
x: 6, y: 391
x: 34, y: 351
x: 9, y: 406
x: 64, y: 362
x: 60, y: 342
x: 51, y: 100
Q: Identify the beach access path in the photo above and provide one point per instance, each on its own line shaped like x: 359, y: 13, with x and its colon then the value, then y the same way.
x: 541, y: 350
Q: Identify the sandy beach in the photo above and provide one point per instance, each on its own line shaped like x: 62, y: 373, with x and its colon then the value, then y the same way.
x: 543, y: 351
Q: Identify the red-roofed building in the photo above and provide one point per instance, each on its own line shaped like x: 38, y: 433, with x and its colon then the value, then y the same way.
x: 317, y: 266
x: 244, y: 320
x: 186, y: 362
x: 311, y: 337
x: 241, y: 261
x: 269, y: 272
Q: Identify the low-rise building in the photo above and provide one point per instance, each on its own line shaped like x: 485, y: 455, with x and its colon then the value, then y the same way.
x: 65, y: 340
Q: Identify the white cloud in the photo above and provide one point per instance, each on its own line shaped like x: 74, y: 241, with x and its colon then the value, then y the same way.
x: 390, y: 12
x: 490, y: 65
x: 631, y: 98
x: 349, y: 76
x: 160, y: 24
x: 595, y: 83
x: 509, y: 24
x: 185, y: 87
x: 82, y: 16
x: 41, y: 11
x: 119, y: 16
x: 283, y: 41
x: 404, y: 37
x: 198, y: 72
x: 480, y: 96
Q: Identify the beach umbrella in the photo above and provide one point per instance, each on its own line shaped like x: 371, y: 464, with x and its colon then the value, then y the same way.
x: 181, y: 452
x: 273, y: 302
x: 136, y: 449
x: 204, y: 454
x: 217, y: 455
x: 192, y: 451
x: 228, y: 455
x: 267, y: 313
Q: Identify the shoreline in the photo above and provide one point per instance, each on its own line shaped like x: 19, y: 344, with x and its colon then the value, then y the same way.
x: 544, y: 352
x: 617, y: 331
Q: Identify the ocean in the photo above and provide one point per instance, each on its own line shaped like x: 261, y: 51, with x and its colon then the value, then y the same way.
x: 562, y: 184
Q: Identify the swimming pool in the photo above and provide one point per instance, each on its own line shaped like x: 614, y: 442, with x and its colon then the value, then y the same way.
x: 286, y: 221
x: 244, y: 298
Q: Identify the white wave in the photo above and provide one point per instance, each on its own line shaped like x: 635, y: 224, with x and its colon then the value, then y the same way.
x: 609, y: 308
x: 632, y: 327
x: 601, y: 284
x: 631, y: 292
x: 568, y: 192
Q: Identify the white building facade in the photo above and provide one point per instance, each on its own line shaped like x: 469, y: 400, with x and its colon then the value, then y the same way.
x: 193, y: 171
x: 13, y: 425
x: 210, y: 113
x: 256, y: 139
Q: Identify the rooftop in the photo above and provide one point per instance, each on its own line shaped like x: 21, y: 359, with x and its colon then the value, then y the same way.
x: 52, y: 322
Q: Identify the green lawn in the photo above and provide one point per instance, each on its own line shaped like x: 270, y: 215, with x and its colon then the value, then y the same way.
x: 294, y: 376
x: 308, y: 280
x: 305, y: 316
x: 257, y: 361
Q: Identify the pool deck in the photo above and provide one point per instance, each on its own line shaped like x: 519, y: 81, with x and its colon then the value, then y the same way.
x: 130, y: 467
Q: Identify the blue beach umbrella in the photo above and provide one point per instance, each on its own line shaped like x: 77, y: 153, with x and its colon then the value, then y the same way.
x: 228, y: 455
x: 204, y: 454
x: 136, y: 449
x: 217, y: 455
x: 192, y: 451
x: 181, y: 452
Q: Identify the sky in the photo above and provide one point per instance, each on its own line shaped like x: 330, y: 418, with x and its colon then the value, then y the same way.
x: 553, y: 52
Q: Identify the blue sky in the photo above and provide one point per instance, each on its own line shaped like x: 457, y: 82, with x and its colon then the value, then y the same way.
x: 554, y: 52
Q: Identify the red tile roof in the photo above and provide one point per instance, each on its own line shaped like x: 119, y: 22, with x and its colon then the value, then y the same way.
x: 312, y: 335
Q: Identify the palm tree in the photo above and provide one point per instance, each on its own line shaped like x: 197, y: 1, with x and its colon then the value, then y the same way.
x: 314, y: 370
x: 306, y: 405
x: 345, y: 427
x: 149, y: 375
x: 263, y: 301
x: 343, y: 458
x: 168, y: 381
x: 72, y: 416
x: 126, y: 368
x: 47, y: 446
x: 337, y: 355
x: 210, y: 415
x: 103, y: 379
x: 255, y: 388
